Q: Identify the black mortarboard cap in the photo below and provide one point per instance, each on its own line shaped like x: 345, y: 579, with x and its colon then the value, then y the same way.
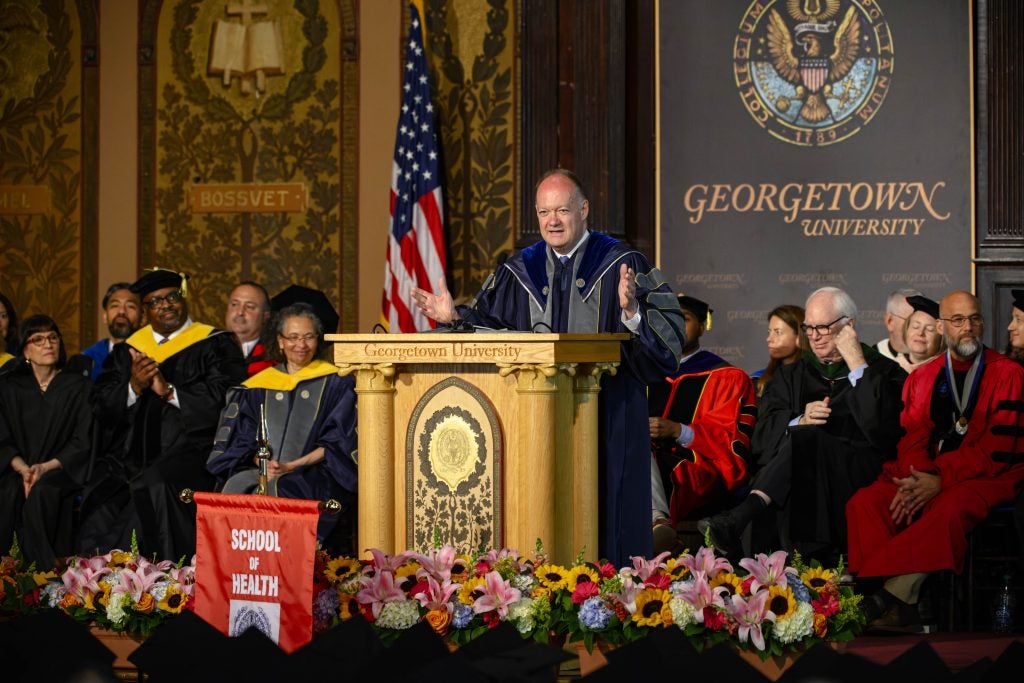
x: 1008, y: 665
x: 179, y: 649
x: 823, y: 662
x: 698, y: 308
x: 351, y: 646
x: 920, y: 662
x: 322, y: 306
x: 923, y: 303
x: 80, y: 655
x: 159, y: 278
x: 417, y: 647
x: 1018, y: 298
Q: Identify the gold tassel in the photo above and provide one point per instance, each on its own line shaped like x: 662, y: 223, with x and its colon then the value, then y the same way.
x: 707, y: 321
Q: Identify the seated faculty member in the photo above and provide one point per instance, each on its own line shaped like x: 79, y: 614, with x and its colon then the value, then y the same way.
x: 825, y: 426
x: 122, y: 314
x: 306, y: 413
x: 160, y: 396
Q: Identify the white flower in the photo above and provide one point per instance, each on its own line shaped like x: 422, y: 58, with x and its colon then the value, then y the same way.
x: 523, y: 582
x: 683, y: 613
x: 158, y: 590
x: 52, y: 594
x: 521, y: 613
x: 796, y: 626
x: 116, y: 607
x: 399, y: 615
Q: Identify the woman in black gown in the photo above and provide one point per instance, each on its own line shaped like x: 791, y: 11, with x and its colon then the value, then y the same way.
x: 45, y: 424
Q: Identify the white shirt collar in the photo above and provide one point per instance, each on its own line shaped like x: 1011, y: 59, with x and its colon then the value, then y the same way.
x: 159, y: 337
x: 576, y: 248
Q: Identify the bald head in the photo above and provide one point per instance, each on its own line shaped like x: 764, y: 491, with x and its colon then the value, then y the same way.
x: 961, y: 324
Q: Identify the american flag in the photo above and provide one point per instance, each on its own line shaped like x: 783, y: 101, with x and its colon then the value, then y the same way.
x: 416, y: 251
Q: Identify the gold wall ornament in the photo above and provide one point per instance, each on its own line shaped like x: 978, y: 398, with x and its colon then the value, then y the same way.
x: 299, y: 130
x: 250, y: 49
x: 451, y: 451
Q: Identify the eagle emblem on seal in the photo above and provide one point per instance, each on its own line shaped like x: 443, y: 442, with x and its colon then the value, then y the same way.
x: 817, y: 53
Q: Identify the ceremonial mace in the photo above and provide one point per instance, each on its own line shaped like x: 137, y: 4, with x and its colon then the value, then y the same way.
x: 262, y: 453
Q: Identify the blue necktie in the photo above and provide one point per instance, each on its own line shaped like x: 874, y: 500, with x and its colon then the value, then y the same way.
x: 560, y: 294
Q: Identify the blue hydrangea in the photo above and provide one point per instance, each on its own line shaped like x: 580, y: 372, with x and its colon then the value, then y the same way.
x: 462, y: 616
x: 800, y: 591
x: 325, y: 605
x: 594, y: 614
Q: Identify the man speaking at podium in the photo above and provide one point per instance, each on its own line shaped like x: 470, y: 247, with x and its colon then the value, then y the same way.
x: 575, y: 280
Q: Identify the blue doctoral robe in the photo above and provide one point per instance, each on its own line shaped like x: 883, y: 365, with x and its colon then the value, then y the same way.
x: 98, y: 352
x: 517, y: 299
x: 324, y: 409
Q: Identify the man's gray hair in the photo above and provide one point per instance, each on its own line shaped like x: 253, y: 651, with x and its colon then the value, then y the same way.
x: 842, y: 302
x: 893, y: 301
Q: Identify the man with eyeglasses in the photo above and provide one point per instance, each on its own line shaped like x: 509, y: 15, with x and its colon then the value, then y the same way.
x: 578, y: 280
x: 160, y: 395
x: 825, y: 426
x: 960, y: 457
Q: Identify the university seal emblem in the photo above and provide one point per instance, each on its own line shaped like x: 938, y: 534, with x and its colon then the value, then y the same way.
x: 813, y: 72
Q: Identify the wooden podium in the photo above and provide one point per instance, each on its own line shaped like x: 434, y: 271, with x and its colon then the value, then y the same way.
x: 478, y: 439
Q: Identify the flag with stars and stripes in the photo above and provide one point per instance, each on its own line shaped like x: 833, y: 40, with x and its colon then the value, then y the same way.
x: 416, y: 250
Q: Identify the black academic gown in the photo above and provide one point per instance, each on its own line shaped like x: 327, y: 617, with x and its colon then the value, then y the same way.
x: 156, y: 449
x: 38, y: 426
x: 517, y: 299
x: 811, y: 471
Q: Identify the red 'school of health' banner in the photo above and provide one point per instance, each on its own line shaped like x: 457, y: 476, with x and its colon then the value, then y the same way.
x: 254, y: 565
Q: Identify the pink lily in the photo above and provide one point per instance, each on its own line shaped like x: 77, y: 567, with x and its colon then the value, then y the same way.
x: 750, y: 613
x: 642, y: 568
x: 700, y: 594
x: 437, y: 564
x: 384, y: 563
x: 437, y: 596
x: 705, y: 561
x: 82, y: 581
x: 378, y: 590
x: 768, y: 570
x: 137, y: 582
x: 627, y: 596
x: 498, y: 595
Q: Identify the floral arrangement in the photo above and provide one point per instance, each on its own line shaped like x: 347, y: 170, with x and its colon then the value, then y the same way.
x: 120, y: 591
x: 765, y: 605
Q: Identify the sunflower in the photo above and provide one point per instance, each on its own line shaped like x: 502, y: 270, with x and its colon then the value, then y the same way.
x: 348, y: 607
x: 405, y: 575
x: 652, y: 608
x: 340, y: 568
x: 815, y: 578
x: 173, y: 601
x: 471, y: 590
x: 103, y: 597
x: 732, y: 583
x: 553, y: 576
x: 781, y: 601
x: 676, y: 569
x: 120, y: 558
x: 581, y: 573
x: 461, y: 567
x: 43, y: 578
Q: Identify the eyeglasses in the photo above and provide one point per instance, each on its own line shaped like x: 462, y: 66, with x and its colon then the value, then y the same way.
x: 823, y: 330
x: 158, y: 301
x: 961, y: 320
x: 44, y: 339
x: 296, y: 338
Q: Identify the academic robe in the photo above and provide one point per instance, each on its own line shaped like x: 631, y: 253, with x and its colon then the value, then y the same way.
x: 517, y: 298
x: 717, y: 401
x: 97, y: 353
x: 300, y: 416
x: 154, y: 449
x: 982, y: 469
x: 810, y: 471
x: 5, y: 358
x: 38, y: 426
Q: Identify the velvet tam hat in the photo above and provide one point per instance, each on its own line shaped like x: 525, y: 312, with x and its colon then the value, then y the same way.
x: 923, y: 303
x: 159, y: 278
x: 1018, y: 298
x: 699, y: 308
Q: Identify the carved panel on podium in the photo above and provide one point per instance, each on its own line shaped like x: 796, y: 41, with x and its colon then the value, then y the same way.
x: 453, y: 467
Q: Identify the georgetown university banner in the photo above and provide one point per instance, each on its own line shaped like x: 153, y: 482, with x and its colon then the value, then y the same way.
x: 254, y: 565
x: 805, y: 143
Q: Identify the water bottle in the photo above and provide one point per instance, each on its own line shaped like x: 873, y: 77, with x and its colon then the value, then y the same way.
x: 1004, y: 611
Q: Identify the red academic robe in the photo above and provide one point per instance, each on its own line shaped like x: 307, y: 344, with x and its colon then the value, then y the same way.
x: 718, y: 402
x: 985, y: 470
